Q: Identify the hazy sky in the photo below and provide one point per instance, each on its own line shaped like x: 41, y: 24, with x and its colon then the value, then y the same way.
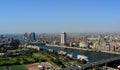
x: 18, y: 16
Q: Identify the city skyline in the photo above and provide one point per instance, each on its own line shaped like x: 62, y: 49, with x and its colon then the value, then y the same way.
x: 20, y: 16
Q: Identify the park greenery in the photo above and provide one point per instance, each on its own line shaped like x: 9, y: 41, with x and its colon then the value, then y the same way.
x: 24, y: 57
x: 13, y: 67
x: 27, y: 55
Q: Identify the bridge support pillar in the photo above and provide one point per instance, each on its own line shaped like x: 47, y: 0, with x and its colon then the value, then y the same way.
x: 105, y: 66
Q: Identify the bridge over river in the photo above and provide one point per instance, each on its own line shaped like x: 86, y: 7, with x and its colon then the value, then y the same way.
x: 83, y: 67
x: 95, y: 58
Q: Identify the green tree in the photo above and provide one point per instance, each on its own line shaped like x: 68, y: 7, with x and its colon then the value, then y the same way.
x: 83, y: 61
x: 20, y: 60
x: 2, y: 62
x: 29, y: 60
x: 11, y: 61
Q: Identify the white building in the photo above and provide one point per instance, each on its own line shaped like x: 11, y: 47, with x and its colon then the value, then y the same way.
x: 63, y: 38
x: 82, y: 45
x: 33, y: 47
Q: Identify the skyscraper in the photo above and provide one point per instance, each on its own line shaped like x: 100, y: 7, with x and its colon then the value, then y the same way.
x: 63, y: 38
x: 32, y: 36
x: 25, y: 36
x: 1, y: 37
x: 107, y: 45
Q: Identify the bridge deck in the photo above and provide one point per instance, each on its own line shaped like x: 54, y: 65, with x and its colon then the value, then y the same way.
x: 94, y: 63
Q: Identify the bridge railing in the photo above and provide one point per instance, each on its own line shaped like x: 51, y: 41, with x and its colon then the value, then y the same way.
x: 93, y: 63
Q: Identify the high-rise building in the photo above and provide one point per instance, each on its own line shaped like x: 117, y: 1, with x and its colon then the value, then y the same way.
x: 107, y: 45
x: 32, y: 36
x: 63, y: 38
x: 25, y: 36
x: 112, y: 46
x: 1, y: 37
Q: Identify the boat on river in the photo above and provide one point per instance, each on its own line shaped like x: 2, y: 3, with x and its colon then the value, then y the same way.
x: 70, y: 55
x: 62, y: 52
x: 82, y: 57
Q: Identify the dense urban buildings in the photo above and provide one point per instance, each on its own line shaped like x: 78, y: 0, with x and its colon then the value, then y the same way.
x: 109, y: 42
x: 29, y: 37
x: 97, y: 42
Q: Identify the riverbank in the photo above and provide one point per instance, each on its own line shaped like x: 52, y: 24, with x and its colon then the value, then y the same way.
x: 82, y: 49
x: 68, y: 47
x: 110, y: 52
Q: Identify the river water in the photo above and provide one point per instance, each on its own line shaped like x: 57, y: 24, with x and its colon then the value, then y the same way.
x: 92, y: 56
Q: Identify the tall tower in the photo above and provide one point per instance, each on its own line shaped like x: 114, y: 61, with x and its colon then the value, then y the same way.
x: 63, y: 38
x: 25, y: 36
x: 32, y: 36
x: 1, y: 37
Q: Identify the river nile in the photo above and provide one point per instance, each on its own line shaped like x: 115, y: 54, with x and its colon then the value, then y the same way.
x: 92, y: 56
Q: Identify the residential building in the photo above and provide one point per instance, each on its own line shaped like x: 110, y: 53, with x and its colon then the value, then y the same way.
x: 63, y: 38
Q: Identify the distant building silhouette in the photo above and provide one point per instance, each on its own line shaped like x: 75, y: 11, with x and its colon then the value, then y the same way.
x: 25, y: 36
x: 32, y: 36
x: 1, y: 37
